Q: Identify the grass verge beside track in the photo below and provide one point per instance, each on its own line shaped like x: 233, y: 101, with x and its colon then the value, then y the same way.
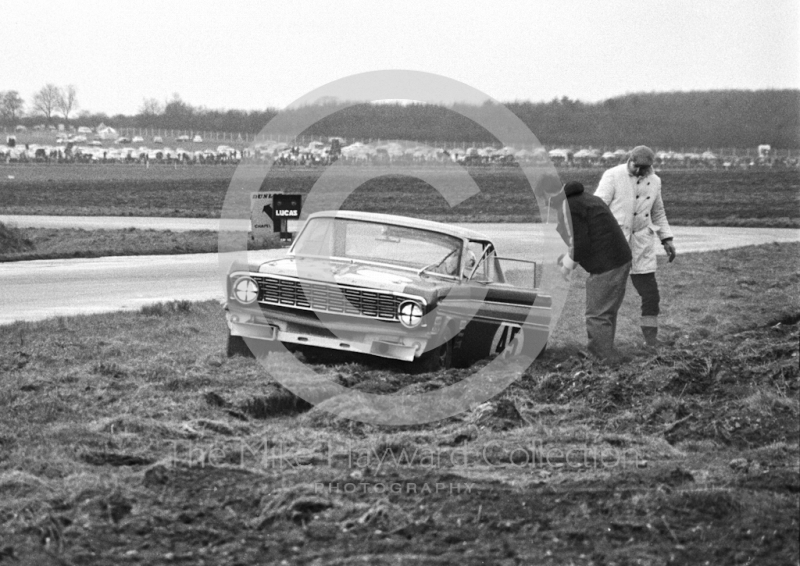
x: 47, y: 243
x: 18, y: 244
x: 131, y: 438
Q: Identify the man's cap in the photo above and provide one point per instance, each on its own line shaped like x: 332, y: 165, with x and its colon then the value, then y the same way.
x: 642, y: 155
x: 573, y: 188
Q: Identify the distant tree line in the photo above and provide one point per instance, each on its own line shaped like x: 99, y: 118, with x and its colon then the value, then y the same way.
x: 724, y: 118
x: 675, y: 119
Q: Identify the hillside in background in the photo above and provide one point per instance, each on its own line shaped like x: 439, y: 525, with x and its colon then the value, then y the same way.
x: 729, y: 118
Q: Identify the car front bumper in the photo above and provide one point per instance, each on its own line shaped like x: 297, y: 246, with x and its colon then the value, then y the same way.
x: 394, y: 345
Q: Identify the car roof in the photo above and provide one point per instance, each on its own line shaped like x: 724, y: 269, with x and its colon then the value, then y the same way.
x: 406, y: 221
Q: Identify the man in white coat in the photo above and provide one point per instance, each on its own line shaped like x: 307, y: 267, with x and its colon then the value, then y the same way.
x: 633, y: 193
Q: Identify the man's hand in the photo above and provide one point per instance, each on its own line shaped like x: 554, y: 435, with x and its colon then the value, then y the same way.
x: 565, y: 265
x: 670, y: 249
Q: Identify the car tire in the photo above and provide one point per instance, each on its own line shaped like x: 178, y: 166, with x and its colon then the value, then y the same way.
x: 436, y: 359
x: 238, y: 347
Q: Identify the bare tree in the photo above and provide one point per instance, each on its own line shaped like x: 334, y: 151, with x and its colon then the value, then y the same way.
x: 67, y: 101
x: 11, y: 104
x: 151, y: 107
x: 45, y: 102
x: 177, y: 113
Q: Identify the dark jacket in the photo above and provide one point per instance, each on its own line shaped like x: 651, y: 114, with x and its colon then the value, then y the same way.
x: 597, y: 241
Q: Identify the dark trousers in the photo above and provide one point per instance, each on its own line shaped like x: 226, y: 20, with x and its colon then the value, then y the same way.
x: 604, y: 294
x: 647, y: 287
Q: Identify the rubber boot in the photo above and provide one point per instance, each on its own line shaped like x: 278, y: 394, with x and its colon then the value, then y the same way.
x: 650, y: 336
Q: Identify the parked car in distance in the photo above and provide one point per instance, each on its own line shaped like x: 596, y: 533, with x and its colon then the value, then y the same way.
x: 197, y: 138
x: 158, y: 139
x: 423, y: 292
x: 182, y: 138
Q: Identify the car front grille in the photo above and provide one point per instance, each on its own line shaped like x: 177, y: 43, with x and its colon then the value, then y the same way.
x: 324, y: 297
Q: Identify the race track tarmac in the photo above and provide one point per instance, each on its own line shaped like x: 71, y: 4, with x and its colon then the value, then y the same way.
x: 34, y: 290
x: 687, y: 238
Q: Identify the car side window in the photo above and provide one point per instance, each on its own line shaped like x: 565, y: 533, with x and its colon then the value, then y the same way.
x: 490, y: 267
x: 495, y: 270
x: 484, y: 255
x: 473, y: 254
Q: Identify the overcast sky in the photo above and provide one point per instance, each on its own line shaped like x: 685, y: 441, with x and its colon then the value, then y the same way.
x: 253, y: 55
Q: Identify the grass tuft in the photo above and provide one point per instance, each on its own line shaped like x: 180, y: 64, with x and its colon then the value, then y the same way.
x: 278, y: 402
x: 13, y: 240
x: 166, y: 309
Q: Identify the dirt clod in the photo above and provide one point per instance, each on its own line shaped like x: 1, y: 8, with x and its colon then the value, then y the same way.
x: 277, y: 402
x: 738, y: 464
x: 114, y: 459
x: 496, y: 415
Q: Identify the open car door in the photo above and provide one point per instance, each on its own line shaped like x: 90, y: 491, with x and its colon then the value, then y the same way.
x: 512, y: 317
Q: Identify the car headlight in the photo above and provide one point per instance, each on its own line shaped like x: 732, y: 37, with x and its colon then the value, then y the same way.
x: 410, y: 314
x: 245, y: 290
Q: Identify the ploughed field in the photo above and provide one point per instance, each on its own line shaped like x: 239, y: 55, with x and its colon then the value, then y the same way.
x: 692, y: 197
x: 130, y: 438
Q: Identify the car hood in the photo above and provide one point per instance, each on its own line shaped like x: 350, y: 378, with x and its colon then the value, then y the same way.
x: 379, y: 277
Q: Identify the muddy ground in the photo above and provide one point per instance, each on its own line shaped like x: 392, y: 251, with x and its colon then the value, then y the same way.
x: 661, y: 463
x: 130, y: 438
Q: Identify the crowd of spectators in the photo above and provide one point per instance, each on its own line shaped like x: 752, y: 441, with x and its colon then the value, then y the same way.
x: 78, y: 148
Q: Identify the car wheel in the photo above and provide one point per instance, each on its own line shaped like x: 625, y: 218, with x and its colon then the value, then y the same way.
x: 435, y: 359
x: 238, y: 347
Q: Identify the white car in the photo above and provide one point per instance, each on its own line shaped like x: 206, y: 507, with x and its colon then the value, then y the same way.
x: 387, y: 275
x: 158, y: 139
x: 197, y: 139
x: 182, y: 138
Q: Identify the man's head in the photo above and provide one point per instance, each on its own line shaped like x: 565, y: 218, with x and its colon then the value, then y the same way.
x: 569, y: 189
x: 640, y: 160
x: 573, y: 188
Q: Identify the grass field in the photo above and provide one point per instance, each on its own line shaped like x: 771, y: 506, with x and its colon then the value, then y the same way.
x: 130, y: 438
x: 720, y: 198
x: 19, y: 244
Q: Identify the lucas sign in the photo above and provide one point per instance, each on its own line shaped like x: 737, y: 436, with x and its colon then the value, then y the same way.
x: 286, y: 206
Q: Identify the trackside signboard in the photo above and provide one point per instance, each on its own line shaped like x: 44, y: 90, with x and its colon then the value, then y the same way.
x: 261, y: 216
x: 286, y: 206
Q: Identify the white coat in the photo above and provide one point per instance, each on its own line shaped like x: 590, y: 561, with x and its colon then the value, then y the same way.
x: 636, y: 204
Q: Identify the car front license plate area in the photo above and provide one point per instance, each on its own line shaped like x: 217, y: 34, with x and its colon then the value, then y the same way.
x: 253, y: 330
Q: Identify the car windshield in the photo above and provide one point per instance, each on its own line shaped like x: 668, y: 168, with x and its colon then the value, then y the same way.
x: 412, y: 248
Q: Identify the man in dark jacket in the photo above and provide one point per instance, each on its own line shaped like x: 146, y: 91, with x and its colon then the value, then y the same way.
x: 597, y: 244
